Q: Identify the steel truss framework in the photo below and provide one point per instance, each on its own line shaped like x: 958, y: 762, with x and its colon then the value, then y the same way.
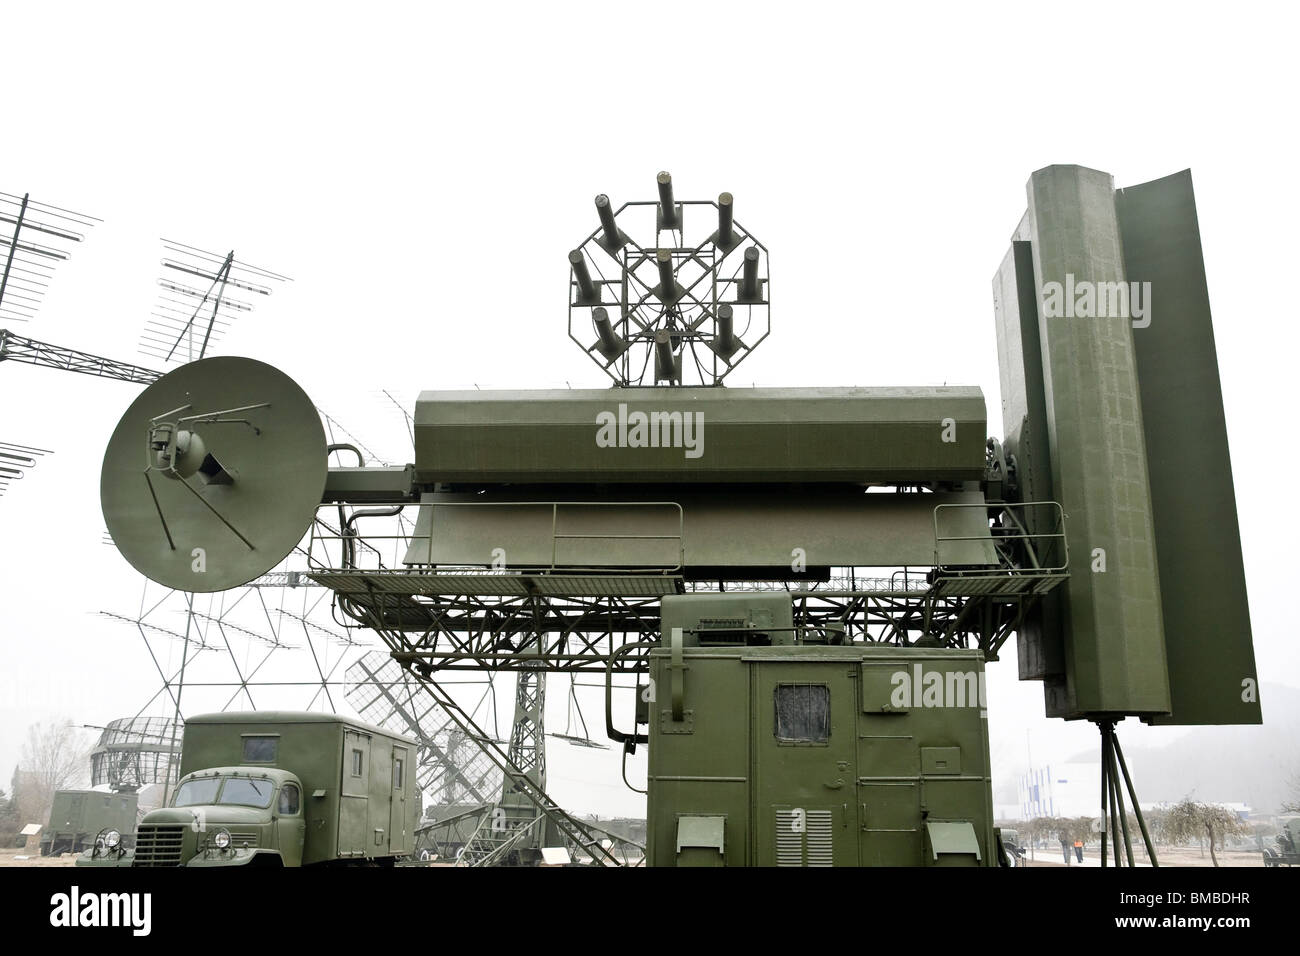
x: 437, y: 618
x: 432, y: 632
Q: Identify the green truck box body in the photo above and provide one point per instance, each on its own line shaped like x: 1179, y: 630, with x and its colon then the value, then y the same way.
x: 76, y: 816
x: 348, y: 816
x: 339, y: 791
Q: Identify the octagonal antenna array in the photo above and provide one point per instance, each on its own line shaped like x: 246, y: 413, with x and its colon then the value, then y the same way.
x: 685, y: 308
x: 200, y: 294
x: 213, y: 474
x: 34, y: 239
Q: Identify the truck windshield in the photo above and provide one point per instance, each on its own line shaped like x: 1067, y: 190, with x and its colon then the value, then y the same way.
x: 235, y: 792
x: 242, y: 792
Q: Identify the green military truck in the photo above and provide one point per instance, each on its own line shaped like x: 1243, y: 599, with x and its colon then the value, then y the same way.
x: 78, y: 816
x: 280, y: 789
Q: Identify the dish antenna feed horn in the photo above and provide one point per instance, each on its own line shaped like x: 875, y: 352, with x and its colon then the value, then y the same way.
x: 213, y: 474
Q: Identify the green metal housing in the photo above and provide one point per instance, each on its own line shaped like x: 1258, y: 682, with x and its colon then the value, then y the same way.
x: 701, y: 530
x: 814, y: 754
x: 743, y: 435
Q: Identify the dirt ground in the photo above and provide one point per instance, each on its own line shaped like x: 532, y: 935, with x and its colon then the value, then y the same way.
x: 34, y: 858
x: 1168, y: 856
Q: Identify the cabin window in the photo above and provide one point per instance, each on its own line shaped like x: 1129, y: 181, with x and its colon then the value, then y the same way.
x: 397, y: 774
x: 260, y: 749
x: 197, y: 793
x: 803, y: 713
x: 289, y: 799
x: 356, y: 763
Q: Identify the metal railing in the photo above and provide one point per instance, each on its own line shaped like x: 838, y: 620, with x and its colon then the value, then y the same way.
x: 1038, y: 546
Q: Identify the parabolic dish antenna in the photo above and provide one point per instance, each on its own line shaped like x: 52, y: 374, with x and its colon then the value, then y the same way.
x: 213, y: 474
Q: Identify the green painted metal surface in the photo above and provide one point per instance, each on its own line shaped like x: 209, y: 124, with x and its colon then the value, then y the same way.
x: 1039, y: 640
x: 742, y: 617
x: 239, y: 499
x: 812, y: 755
x: 76, y: 816
x: 345, y: 814
x: 1113, y: 636
x: 742, y: 435
x: 1212, y: 677
x: 701, y: 529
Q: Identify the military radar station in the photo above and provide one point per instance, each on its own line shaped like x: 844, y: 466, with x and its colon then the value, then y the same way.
x: 802, y: 585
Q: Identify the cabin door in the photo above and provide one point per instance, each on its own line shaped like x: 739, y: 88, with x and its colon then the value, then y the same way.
x: 805, y: 770
x: 354, y: 794
x: 399, y: 840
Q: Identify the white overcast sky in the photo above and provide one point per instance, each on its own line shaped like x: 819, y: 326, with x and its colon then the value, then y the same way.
x: 420, y: 171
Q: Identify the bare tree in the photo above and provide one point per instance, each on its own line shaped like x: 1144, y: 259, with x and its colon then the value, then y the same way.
x: 1190, y: 820
x: 1292, y: 803
x: 55, y: 757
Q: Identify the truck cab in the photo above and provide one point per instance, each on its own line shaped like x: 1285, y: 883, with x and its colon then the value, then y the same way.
x: 225, y: 816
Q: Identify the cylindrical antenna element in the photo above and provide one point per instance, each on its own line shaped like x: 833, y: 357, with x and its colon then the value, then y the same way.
x: 609, y: 342
x: 667, y: 208
x: 749, y: 279
x: 587, y: 291
x: 724, y: 219
x: 606, y: 213
x: 725, y: 339
x: 664, y: 354
x: 667, y: 284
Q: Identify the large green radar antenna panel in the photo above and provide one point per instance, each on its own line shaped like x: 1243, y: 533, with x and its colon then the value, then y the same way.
x: 1211, y: 655
x: 1112, y: 406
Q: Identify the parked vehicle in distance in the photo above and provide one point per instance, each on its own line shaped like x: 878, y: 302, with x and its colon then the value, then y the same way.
x: 77, y: 816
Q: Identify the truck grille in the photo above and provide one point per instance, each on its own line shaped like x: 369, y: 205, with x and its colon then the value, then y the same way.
x: 158, y: 846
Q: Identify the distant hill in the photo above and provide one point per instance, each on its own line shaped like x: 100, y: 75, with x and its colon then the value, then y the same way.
x: 1250, y: 764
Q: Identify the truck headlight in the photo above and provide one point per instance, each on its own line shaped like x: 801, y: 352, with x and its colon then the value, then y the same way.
x: 221, y: 839
x: 111, y: 839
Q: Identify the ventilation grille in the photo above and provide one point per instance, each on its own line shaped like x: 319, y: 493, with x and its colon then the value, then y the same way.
x: 813, y: 847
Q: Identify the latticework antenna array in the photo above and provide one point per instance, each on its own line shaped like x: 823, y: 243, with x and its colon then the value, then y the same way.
x: 135, y: 752
x: 34, y: 239
x: 200, y: 295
